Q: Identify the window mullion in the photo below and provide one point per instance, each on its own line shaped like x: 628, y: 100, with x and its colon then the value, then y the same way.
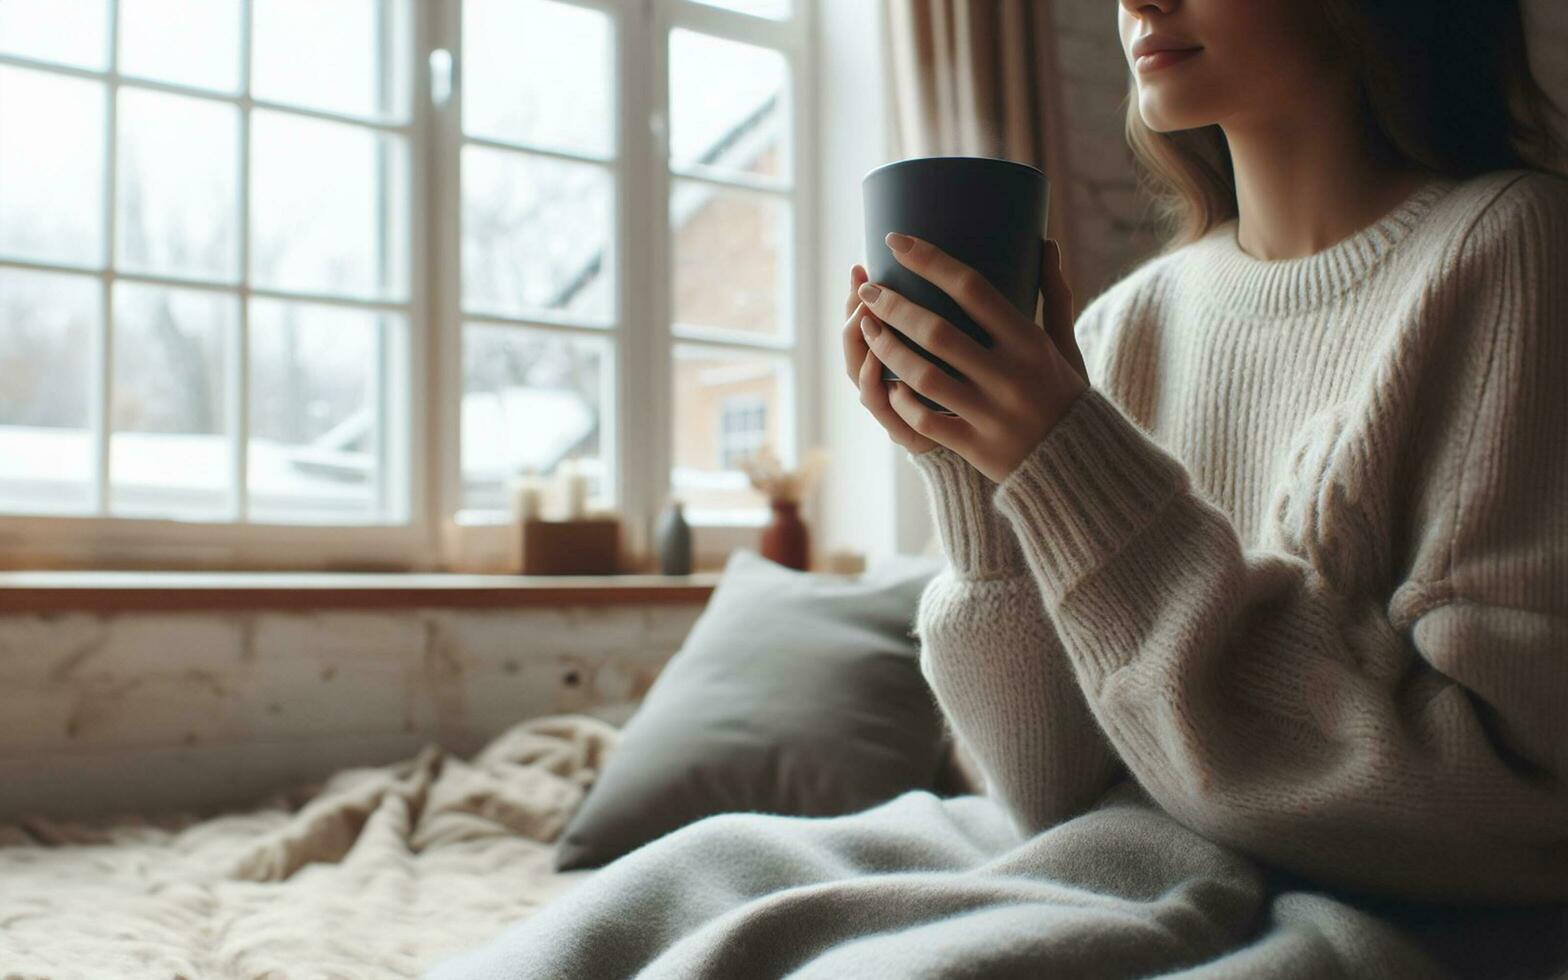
x: 377, y: 396
x: 643, y: 377
x: 442, y: 250
x: 410, y: 486
x: 661, y: 248
x: 239, y: 356
x: 103, y: 354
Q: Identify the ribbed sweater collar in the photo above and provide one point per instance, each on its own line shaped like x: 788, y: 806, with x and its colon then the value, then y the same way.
x: 1229, y: 279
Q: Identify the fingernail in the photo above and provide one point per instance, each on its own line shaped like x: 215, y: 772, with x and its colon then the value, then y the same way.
x: 899, y: 243
x: 868, y: 292
x: 869, y: 326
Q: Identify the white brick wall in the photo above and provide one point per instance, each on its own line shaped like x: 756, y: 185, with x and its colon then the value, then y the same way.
x: 139, y: 712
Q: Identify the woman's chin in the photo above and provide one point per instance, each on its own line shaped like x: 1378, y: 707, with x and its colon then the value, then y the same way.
x: 1165, y: 114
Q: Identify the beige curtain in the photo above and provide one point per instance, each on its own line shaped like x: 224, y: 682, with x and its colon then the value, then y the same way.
x: 981, y: 78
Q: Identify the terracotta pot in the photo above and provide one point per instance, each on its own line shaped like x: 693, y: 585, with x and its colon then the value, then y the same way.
x: 786, y: 540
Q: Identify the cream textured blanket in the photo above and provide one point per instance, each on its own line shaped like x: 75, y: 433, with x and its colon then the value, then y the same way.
x: 374, y: 873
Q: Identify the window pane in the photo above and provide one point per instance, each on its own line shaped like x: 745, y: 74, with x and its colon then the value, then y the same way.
x: 313, y: 445
x: 536, y: 236
x: 73, y: 32
x: 729, y: 253
x: 168, y: 454
x: 743, y: 428
x: 51, y: 167
x: 728, y: 105
x: 538, y: 72
x: 322, y: 54
x: 155, y: 41
x: 47, y: 326
x: 327, y: 212
x: 776, y: 9
x: 531, y: 400
x: 726, y: 405
x: 176, y: 204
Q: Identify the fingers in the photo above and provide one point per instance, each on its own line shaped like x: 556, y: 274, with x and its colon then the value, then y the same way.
x: 929, y: 331
x: 1057, y: 308
x: 918, y: 372
x: 857, y: 275
x: 874, y: 396
x: 854, y: 343
x: 1050, y: 264
x: 973, y: 293
x: 920, y: 419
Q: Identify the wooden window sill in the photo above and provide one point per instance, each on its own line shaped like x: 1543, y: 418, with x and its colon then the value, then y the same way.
x: 39, y: 592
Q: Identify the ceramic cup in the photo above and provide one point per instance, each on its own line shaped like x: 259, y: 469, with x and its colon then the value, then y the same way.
x: 989, y: 214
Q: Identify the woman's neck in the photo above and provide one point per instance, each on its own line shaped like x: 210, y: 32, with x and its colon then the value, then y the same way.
x: 1303, y: 185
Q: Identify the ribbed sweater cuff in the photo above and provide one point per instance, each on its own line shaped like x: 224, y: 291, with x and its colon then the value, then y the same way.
x: 978, y: 542
x: 1090, y: 485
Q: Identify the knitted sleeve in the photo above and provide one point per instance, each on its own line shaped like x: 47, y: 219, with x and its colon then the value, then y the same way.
x: 993, y: 659
x: 1411, y: 745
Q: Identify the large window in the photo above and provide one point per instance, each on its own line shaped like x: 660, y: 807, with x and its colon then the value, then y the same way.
x: 310, y: 280
x: 205, y: 255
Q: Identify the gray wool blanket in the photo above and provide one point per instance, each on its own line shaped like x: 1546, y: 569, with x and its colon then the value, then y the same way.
x: 930, y: 887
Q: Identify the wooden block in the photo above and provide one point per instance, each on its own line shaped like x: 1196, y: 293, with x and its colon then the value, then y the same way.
x: 591, y: 546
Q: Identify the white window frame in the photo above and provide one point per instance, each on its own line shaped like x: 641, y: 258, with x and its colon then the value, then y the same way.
x: 639, y: 447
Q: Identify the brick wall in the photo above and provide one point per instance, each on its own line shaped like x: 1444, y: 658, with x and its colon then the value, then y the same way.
x: 1113, y: 231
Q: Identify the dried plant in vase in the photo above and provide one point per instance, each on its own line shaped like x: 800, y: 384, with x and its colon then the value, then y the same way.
x: 786, y: 539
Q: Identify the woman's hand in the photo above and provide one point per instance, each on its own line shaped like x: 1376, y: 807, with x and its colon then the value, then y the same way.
x: 1010, y: 396
x: 866, y: 372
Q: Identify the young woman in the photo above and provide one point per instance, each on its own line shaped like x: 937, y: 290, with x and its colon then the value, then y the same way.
x: 1256, y: 594
x: 1285, y: 514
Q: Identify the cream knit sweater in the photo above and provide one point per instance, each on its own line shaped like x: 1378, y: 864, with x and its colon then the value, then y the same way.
x: 1298, y: 561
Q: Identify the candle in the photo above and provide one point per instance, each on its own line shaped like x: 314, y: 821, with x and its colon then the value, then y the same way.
x: 527, y: 498
x: 844, y: 561
x: 572, y: 485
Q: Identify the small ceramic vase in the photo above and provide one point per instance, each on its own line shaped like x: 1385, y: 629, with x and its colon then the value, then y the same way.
x: 786, y: 539
x: 673, y: 540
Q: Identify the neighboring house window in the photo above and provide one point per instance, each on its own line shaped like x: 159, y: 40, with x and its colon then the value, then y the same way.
x: 322, y: 283
x: 743, y: 429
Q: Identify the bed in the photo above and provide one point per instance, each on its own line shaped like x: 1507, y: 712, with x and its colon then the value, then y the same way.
x: 374, y: 872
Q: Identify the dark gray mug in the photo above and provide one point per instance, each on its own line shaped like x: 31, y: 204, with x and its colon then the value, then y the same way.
x: 989, y: 214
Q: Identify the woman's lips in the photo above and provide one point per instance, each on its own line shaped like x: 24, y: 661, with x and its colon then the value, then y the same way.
x: 1156, y: 60
x: 1151, y: 52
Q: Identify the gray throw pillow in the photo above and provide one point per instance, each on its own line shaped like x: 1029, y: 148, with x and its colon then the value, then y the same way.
x: 795, y: 693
